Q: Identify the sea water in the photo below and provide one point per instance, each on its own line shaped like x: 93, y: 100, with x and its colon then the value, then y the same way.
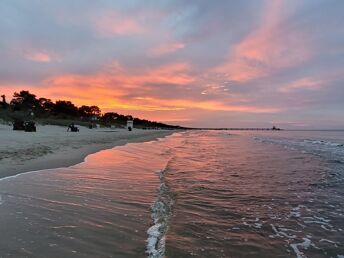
x: 192, y: 194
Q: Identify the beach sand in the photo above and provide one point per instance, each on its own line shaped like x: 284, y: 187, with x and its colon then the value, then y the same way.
x: 54, y: 147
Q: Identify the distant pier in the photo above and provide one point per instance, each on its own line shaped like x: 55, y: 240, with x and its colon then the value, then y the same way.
x: 241, y: 129
x: 254, y: 129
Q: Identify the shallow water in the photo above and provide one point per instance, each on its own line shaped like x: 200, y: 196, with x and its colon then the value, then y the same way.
x: 193, y: 194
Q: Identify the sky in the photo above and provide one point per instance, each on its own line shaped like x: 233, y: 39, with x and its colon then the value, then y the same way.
x: 200, y: 63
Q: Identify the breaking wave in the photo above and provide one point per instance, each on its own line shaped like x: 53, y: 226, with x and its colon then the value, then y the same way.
x: 161, y: 213
x: 333, y: 151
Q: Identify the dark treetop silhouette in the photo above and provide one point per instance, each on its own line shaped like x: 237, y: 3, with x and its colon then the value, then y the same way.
x: 25, y: 104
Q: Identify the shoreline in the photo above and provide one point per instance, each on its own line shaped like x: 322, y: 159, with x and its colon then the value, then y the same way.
x: 53, y: 148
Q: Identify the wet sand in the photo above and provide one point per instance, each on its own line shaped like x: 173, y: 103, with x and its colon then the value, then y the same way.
x: 54, y: 147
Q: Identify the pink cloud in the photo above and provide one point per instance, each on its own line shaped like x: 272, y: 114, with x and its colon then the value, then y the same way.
x: 166, y: 48
x: 113, y: 23
x: 302, y: 84
x: 270, y: 47
x: 38, y: 55
x: 317, y: 82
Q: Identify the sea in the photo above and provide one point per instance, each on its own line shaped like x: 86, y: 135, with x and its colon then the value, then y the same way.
x: 191, y: 194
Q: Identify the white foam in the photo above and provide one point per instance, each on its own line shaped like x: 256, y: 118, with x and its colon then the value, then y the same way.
x: 26, y: 173
x: 295, y: 214
x: 153, y: 240
x: 328, y: 229
x: 280, y: 233
x: 258, y: 225
x: 322, y: 219
x: 305, y: 244
x: 161, y: 212
x: 274, y: 229
x: 332, y: 150
x: 328, y: 241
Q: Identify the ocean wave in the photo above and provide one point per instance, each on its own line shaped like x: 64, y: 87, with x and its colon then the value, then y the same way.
x: 300, y: 142
x: 161, y: 213
x: 321, y: 142
x: 332, y: 151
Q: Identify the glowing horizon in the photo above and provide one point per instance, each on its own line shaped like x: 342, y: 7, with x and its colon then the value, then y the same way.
x: 230, y: 64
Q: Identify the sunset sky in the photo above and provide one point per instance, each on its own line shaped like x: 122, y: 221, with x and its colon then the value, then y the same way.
x: 193, y: 63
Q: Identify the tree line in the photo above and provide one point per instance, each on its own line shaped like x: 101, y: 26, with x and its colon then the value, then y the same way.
x: 28, y: 103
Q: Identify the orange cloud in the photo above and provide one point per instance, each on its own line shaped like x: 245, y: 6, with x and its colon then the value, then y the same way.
x: 166, y: 49
x: 109, y: 98
x: 155, y: 104
x: 173, y: 120
x: 113, y: 23
x: 266, y: 49
x: 38, y: 55
x: 214, y: 106
x: 116, y: 88
x: 109, y: 88
x: 175, y: 73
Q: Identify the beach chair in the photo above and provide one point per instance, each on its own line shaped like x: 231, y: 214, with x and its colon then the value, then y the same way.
x: 18, y: 125
x: 30, y: 126
x: 73, y: 128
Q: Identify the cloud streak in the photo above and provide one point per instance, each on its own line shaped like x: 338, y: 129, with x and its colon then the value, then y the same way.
x: 38, y: 56
x: 266, y: 49
x: 166, y: 48
x: 112, y: 23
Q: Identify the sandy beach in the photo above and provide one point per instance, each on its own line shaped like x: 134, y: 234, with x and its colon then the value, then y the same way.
x: 54, y: 147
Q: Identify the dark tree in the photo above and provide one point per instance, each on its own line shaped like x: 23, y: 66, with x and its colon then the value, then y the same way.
x: 65, y: 108
x: 46, y: 106
x: 85, y: 111
x: 3, y: 103
x: 24, y: 101
x: 109, y: 118
x: 95, y: 111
